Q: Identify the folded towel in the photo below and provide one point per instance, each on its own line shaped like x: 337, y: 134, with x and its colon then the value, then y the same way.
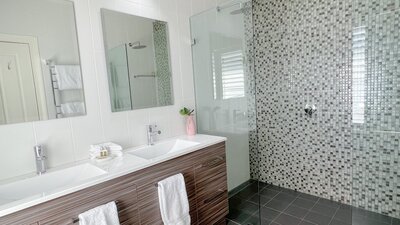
x: 103, y: 215
x: 73, y: 108
x: 174, y: 204
x: 113, y: 149
x: 68, y: 77
x: 108, y: 145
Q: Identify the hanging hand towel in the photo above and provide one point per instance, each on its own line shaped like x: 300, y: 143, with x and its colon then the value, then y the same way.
x: 174, y: 204
x: 73, y: 108
x: 103, y: 215
x: 68, y: 77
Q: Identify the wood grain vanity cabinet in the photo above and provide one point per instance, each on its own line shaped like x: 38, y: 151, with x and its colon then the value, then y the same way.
x: 137, y: 196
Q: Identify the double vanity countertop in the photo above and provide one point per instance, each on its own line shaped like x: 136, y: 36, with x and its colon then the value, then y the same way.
x: 57, y: 182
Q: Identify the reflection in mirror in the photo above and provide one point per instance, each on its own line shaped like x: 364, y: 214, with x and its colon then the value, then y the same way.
x: 138, y: 61
x: 40, y: 74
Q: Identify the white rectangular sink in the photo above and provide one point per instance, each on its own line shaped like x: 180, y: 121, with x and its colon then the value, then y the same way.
x: 163, y: 148
x: 48, y: 182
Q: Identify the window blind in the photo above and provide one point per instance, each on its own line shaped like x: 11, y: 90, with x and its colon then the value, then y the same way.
x: 232, y: 74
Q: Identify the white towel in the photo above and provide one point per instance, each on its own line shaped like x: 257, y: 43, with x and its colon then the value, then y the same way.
x: 174, y: 204
x: 103, y: 215
x: 73, y: 108
x: 68, y: 77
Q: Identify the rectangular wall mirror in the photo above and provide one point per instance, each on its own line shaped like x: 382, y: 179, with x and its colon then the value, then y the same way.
x: 40, y: 73
x: 138, y: 61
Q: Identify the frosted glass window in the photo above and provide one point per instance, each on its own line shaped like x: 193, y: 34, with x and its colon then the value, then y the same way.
x: 231, y: 80
x: 359, y: 71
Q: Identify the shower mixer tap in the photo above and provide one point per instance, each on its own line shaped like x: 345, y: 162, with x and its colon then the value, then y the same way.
x: 310, y: 109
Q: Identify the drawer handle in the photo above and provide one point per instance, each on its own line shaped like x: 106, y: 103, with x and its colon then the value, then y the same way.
x: 213, y: 162
x: 219, y: 194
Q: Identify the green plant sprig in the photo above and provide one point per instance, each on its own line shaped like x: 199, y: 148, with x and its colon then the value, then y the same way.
x: 186, y: 112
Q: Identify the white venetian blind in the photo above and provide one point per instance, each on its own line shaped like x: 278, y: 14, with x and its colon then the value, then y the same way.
x: 232, y: 74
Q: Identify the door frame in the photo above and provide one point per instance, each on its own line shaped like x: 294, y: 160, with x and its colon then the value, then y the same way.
x: 32, y: 42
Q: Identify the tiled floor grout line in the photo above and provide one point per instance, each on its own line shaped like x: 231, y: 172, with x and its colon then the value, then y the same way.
x: 242, y: 189
x: 334, y: 215
x: 297, y: 197
x: 286, y: 200
x: 291, y: 203
x: 234, y: 222
x: 259, y: 208
x: 281, y: 212
x: 309, y: 211
x: 264, y: 205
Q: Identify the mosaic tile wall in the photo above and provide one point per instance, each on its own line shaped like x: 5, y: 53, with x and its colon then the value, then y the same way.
x: 376, y: 145
x: 250, y: 88
x: 163, y: 69
x: 343, y: 57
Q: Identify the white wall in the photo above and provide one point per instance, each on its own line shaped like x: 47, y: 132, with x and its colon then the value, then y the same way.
x: 199, y: 6
x: 37, y: 19
x: 68, y: 140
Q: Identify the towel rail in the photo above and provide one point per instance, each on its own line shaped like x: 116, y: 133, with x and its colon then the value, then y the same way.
x: 54, y: 85
x: 143, y: 76
x: 76, y: 220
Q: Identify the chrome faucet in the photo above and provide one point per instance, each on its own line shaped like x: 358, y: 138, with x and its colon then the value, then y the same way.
x: 40, y: 160
x: 152, y: 131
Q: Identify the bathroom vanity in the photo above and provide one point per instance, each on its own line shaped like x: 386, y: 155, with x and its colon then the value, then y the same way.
x: 135, y: 189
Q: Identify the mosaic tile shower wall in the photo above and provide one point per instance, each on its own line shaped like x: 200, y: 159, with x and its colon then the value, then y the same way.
x: 163, y: 69
x: 343, y: 57
x: 250, y: 87
x: 376, y: 85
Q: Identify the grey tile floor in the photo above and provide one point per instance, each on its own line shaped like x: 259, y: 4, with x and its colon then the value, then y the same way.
x: 280, y: 206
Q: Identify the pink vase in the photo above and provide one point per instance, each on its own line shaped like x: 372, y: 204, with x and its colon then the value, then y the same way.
x: 190, y: 125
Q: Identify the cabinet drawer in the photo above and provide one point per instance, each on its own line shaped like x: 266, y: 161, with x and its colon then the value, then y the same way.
x: 64, y: 214
x: 211, y: 186
x: 148, y: 196
x: 215, y: 210
x: 211, y: 193
x: 213, y: 164
x: 210, y: 174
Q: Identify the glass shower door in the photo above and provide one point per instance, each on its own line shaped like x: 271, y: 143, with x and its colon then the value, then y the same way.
x: 225, y: 100
x: 119, y: 79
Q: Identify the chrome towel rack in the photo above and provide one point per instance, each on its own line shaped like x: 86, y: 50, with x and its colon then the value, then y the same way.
x: 144, y: 76
x: 54, y: 85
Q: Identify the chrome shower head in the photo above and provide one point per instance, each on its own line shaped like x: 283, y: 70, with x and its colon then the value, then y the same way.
x: 237, y: 11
